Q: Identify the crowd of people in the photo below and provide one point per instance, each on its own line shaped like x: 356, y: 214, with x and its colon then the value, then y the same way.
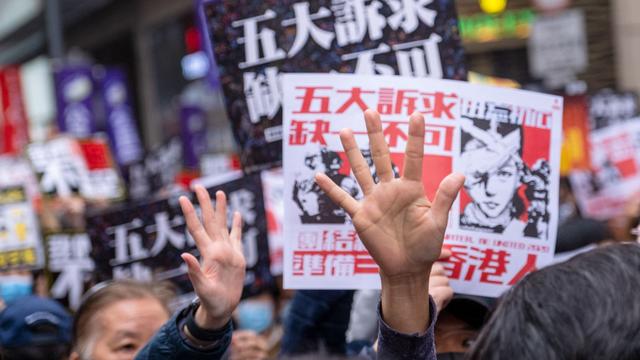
x: 582, y: 308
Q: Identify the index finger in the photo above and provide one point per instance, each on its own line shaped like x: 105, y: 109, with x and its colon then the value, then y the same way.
x: 193, y: 223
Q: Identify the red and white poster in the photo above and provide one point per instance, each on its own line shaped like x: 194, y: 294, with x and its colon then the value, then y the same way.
x: 13, y: 119
x: 506, y: 142
x: 603, y: 192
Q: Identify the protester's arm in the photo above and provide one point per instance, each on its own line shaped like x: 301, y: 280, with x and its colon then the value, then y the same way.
x: 402, y: 229
x: 217, y: 280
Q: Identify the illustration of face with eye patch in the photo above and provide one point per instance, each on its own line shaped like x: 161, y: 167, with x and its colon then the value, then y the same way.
x: 494, y: 172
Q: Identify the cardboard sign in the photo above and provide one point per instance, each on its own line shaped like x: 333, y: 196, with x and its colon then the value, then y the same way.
x: 121, y: 126
x: 506, y: 142
x: 558, y: 47
x: 75, y: 93
x: 67, y: 167
x: 603, y: 192
x: 607, y: 108
x: 144, y: 241
x: 20, y: 243
x: 18, y: 172
x: 158, y: 170
x: 254, y: 42
x: 71, y: 266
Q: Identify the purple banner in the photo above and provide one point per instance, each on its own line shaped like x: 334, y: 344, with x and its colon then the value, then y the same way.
x: 121, y: 126
x: 193, y: 129
x: 74, y: 98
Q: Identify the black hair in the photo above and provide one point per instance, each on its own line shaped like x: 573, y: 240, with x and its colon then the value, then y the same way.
x: 585, y: 308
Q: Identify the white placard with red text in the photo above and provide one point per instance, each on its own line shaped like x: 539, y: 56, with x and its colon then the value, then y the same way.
x: 506, y: 142
x: 603, y: 192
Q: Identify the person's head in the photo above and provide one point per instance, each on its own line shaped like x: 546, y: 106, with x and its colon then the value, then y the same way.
x: 118, y: 319
x: 459, y: 323
x: 492, y: 167
x: 585, y: 308
x: 35, y: 328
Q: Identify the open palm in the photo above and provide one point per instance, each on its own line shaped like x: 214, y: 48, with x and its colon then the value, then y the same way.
x: 400, y: 227
x: 219, y: 277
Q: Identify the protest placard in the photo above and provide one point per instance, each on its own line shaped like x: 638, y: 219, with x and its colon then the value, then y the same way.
x: 20, y: 242
x: 17, y: 171
x: 603, y: 191
x: 506, y: 142
x: 75, y: 93
x: 66, y: 167
x: 121, y: 125
x: 158, y: 170
x: 144, y: 240
x: 71, y: 267
x: 141, y: 241
x: 257, y: 41
x: 608, y: 107
x: 245, y: 195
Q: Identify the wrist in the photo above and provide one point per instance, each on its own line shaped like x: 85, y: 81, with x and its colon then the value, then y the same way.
x: 405, y: 301
x: 205, y: 320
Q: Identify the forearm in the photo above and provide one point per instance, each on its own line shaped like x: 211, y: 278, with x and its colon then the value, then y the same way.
x: 405, y: 302
x: 396, y: 345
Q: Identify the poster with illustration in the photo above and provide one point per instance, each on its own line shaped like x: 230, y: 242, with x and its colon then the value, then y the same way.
x: 603, y: 191
x: 506, y: 142
x: 254, y: 42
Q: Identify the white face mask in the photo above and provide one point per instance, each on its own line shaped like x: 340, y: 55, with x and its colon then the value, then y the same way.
x: 15, y: 286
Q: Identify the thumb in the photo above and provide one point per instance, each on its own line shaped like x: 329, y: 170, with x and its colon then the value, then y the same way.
x: 446, y: 194
x: 195, y: 274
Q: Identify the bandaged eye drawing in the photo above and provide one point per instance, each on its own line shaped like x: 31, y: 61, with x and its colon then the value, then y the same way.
x: 314, y: 205
x: 491, y: 158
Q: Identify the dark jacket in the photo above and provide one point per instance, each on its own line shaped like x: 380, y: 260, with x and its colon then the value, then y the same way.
x: 171, y: 342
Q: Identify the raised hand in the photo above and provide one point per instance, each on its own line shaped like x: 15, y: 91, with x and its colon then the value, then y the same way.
x: 218, y: 279
x: 400, y: 227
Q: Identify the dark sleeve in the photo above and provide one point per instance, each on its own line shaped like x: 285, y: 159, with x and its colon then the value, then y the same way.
x: 170, y: 342
x: 398, y: 346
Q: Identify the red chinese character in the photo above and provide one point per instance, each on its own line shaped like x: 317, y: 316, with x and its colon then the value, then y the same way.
x: 528, y: 267
x: 385, y: 101
x: 310, y: 97
x: 392, y: 132
x: 463, y: 265
x: 316, y: 264
x: 320, y: 128
x: 354, y: 98
x: 455, y: 263
x: 434, y: 103
x: 494, y: 264
x: 403, y: 100
x: 365, y: 264
x: 297, y: 133
x: 341, y: 265
x: 344, y: 242
x: 298, y: 264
